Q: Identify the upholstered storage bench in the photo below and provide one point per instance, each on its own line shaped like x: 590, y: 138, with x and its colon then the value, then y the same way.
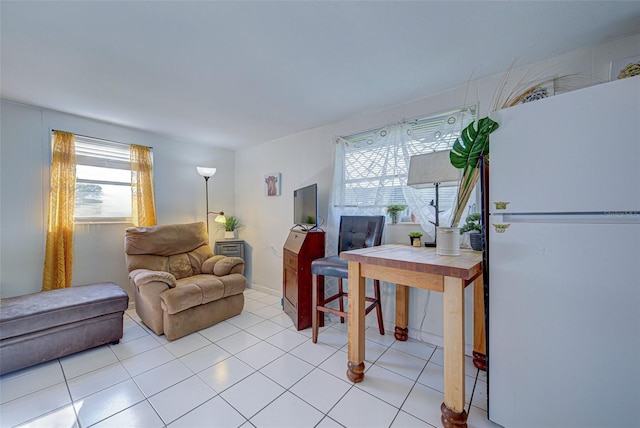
x: 39, y: 327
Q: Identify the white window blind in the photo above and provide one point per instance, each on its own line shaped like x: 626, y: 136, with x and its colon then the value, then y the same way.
x: 377, y: 172
x: 103, y: 181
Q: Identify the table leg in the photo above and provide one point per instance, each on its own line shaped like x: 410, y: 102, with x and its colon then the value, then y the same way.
x: 355, y: 332
x: 453, y: 413
x: 402, y: 312
x: 479, y: 341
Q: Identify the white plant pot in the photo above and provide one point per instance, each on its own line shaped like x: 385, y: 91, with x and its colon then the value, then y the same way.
x: 230, y: 235
x: 448, y: 241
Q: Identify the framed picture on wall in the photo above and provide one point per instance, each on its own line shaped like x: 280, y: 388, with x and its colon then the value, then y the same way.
x: 272, y: 184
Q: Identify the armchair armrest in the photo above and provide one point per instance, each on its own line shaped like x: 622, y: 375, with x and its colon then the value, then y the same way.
x: 223, y: 265
x: 145, y: 276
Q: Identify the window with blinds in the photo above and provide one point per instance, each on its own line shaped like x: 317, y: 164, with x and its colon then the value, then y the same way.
x: 103, y: 181
x: 367, y: 167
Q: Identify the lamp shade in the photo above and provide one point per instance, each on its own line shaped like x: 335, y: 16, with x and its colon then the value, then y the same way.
x: 430, y: 168
x: 220, y: 218
x: 205, y: 172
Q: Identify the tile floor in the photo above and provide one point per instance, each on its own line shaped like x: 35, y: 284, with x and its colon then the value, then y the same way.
x: 254, y: 370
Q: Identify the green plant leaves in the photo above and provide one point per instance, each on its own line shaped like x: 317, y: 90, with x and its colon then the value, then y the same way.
x: 472, y: 144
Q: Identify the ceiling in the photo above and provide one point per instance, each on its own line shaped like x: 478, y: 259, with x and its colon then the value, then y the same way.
x: 237, y: 73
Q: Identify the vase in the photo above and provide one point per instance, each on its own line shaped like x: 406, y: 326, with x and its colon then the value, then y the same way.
x: 230, y: 234
x: 448, y: 241
x: 416, y: 241
x: 475, y: 239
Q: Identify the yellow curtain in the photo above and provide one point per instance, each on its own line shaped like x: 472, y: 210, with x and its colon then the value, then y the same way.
x: 58, y: 261
x: 143, y: 203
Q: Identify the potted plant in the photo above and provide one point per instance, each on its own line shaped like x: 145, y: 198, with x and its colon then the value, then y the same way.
x: 393, y: 210
x: 414, y: 237
x: 473, y: 226
x: 231, y: 226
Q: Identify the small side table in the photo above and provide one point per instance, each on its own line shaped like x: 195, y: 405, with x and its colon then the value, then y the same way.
x: 230, y: 247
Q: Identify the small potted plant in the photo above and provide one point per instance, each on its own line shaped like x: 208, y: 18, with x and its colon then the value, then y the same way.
x: 473, y: 226
x: 393, y: 210
x: 231, y: 226
x: 414, y: 237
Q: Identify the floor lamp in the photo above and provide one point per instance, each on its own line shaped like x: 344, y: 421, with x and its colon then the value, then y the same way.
x: 207, y: 173
x: 433, y: 169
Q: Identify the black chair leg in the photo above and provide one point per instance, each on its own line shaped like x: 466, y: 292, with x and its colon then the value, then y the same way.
x: 376, y: 290
x: 341, y: 298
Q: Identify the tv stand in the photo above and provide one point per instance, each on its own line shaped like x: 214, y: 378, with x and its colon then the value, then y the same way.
x: 301, y: 248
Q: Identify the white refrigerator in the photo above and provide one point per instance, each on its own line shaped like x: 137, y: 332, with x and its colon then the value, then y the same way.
x: 564, y: 275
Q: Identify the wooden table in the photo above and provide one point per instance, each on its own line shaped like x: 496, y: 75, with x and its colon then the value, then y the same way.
x: 420, y: 267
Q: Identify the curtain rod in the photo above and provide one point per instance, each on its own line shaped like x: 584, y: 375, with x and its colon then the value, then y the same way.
x: 101, y: 139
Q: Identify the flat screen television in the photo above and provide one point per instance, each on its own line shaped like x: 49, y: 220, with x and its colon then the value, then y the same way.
x: 305, y: 207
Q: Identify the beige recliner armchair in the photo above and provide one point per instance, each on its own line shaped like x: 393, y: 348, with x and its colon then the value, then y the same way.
x: 179, y: 285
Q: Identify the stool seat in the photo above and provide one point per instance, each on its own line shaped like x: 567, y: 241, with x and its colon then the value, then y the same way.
x: 330, y: 266
x: 355, y: 232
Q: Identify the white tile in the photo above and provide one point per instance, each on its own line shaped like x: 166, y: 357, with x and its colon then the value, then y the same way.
x: 479, y: 394
x: 214, y: 413
x: 29, y: 380
x: 401, y: 363
x: 146, y: 361
x: 357, y: 408
x: 332, y: 337
x: 268, y: 311
x: 140, y: 415
x: 254, y: 294
x: 438, y: 356
x: 260, y: 354
x: 287, y: 411
x: 282, y: 319
x: 405, y: 420
x: 226, y: 373
x: 237, y: 342
x: 245, y: 320
x: 33, y: 405
x: 478, y: 419
x: 433, y: 376
x: 251, y: 305
x: 107, y: 402
x: 219, y: 331
x: 424, y: 403
x: 372, y: 350
x: 97, y: 380
x: 65, y: 417
x: 86, y: 361
x: 336, y: 365
x: 415, y: 347
x: 269, y: 299
x: 252, y: 394
x: 286, y: 370
x: 287, y: 340
x: 327, y: 422
x: 313, y: 353
x: 386, y: 339
x: 204, y: 357
x: 162, y: 377
x: 186, y: 344
x: 386, y: 385
x: 320, y: 389
x: 124, y: 350
x: 181, y: 398
x: 265, y: 329
x: 132, y: 330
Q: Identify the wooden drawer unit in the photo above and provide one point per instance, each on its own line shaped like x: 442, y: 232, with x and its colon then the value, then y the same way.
x: 299, y: 251
x: 230, y: 247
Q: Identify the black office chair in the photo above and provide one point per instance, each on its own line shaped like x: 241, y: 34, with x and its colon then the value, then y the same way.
x: 355, y: 232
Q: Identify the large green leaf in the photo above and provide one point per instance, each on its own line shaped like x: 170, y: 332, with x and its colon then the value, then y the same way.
x: 472, y: 144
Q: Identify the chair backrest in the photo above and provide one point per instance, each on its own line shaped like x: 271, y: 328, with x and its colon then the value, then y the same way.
x: 360, y: 232
x: 179, y: 249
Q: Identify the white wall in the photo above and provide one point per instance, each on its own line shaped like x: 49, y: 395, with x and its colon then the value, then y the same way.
x: 25, y: 156
x: 308, y: 157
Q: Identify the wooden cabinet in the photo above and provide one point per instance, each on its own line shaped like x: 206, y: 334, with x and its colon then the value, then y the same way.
x: 300, y: 249
x: 230, y: 248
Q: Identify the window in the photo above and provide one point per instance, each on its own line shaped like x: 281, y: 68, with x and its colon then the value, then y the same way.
x: 103, y: 181
x: 374, y: 174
